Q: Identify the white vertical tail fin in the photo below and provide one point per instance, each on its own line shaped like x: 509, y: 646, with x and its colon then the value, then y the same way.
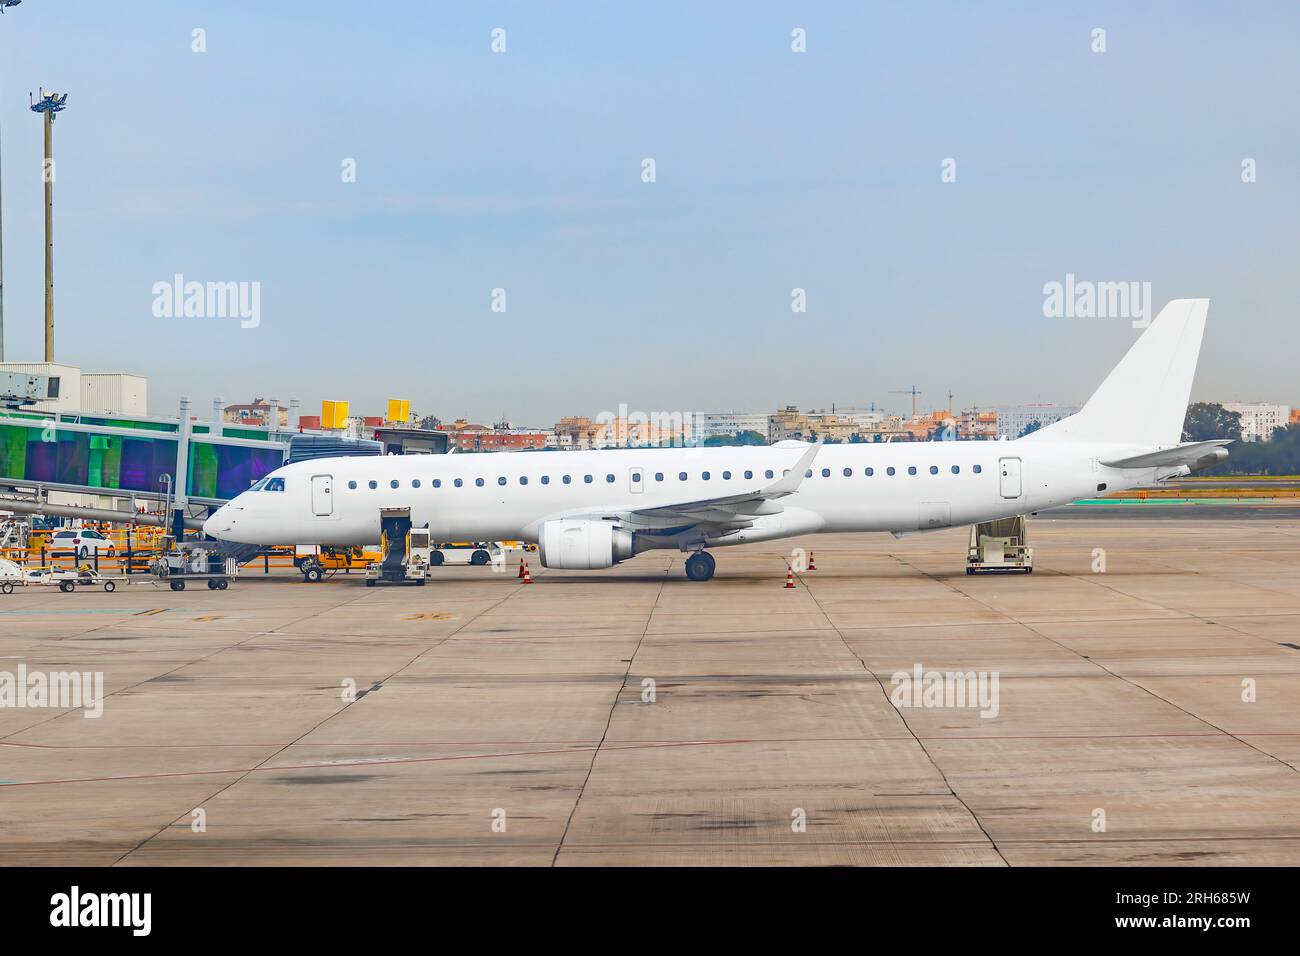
x: 1143, y: 401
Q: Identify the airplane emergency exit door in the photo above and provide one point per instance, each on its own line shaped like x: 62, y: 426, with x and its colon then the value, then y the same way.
x: 1009, y: 477
x: 322, y: 498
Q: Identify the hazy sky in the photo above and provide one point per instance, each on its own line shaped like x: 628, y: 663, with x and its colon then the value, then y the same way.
x: 775, y: 170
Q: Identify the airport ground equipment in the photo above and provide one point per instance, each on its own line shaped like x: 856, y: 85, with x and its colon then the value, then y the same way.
x: 194, y: 561
x: 66, y: 580
x: 14, y: 533
x: 11, y: 576
x: 999, y: 546
x: 406, y: 551
x: 315, y: 561
x: 477, y: 553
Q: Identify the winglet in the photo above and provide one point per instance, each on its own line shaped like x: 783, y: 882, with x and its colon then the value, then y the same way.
x: 788, y: 483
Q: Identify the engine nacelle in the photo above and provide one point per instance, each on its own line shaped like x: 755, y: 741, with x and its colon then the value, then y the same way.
x: 577, y: 544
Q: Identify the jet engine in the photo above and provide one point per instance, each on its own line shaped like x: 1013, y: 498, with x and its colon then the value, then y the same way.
x: 578, y: 544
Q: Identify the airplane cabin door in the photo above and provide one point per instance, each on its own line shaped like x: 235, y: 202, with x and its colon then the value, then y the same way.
x: 1009, y: 477
x: 636, y: 480
x: 322, y: 497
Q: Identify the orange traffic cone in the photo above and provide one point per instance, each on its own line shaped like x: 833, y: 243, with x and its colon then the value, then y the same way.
x: 789, y: 576
x: 521, y: 568
x: 812, y: 563
x: 528, y: 576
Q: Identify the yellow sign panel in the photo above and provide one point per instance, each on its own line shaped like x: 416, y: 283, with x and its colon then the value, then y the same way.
x: 333, y: 414
x: 399, y: 410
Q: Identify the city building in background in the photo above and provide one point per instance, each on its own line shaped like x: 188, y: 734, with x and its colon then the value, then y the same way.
x: 727, y: 424
x: 257, y: 412
x: 1017, y: 420
x: 1259, y: 419
x: 977, y: 424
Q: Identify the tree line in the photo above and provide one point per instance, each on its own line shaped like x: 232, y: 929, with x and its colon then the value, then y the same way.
x: 1280, y: 455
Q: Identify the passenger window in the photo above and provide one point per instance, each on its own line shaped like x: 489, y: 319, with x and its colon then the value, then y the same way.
x: 659, y: 476
x: 415, y: 482
x: 610, y: 479
x: 567, y: 479
x: 870, y: 472
x: 479, y: 482
x: 768, y: 474
x: 523, y: 480
x: 889, y: 470
x: 458, y: 482
x: 826, y: 472
x: 373, y: 485
x: 393, y: 483
x: 352, y: 486
x: 546, y: 479
x: 956, y: 469
x: 977, y: 469
x: 848, y: 472
x: 934, y: 469
x: 704, y: 475
x: 437, y: 482
x: 911, y: 469
x: 586, y: 479
x: 501, y: 480
x: 681, y: 476
x: 748, y: 474
x: 726, y: 476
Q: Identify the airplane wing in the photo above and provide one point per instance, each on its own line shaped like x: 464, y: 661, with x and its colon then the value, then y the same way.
x: 724, y: 513
x: 1195, y: 455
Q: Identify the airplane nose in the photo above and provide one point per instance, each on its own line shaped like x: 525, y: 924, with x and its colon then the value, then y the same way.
x: 217, y: 522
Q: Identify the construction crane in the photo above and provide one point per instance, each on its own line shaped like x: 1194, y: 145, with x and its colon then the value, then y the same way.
x: 913, y: 391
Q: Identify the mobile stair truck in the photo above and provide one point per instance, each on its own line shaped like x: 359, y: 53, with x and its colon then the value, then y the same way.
x: 405, y: 551
x: 999, y: 546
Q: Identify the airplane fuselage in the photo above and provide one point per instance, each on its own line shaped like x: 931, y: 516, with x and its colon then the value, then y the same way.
x: 903, y: 487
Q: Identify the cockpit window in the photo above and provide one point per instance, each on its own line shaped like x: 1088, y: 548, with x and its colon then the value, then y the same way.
x: 258, y: 485
x: 274, y: 484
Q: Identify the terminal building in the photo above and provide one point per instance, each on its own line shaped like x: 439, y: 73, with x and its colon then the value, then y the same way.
x: 58, y: 454
x: 72, y: 390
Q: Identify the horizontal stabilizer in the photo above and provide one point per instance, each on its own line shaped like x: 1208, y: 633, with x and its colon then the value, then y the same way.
x: 1197, y: 454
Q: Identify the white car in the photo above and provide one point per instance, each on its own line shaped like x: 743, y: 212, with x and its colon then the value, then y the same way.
x: 82, y: 542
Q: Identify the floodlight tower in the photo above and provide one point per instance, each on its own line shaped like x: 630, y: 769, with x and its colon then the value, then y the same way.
x: 49, y: 104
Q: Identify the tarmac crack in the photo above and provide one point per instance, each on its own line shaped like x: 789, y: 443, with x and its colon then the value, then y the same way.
x: 609, y: 718
x: 914, y: 736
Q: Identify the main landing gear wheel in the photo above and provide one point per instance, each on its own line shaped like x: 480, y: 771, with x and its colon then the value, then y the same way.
x: 700, y: 566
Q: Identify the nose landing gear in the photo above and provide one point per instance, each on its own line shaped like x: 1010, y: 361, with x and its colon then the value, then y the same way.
x: 700, y: 566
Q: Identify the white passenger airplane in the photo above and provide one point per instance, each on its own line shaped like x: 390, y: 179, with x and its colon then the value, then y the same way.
x: 593, y: 509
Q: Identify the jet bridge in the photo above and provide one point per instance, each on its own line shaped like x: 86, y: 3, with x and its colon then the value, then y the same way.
x: 192, y: 466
